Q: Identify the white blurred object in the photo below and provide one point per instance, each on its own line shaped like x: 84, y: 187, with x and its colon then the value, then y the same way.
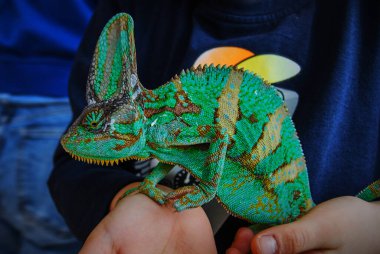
x: 291, y: 99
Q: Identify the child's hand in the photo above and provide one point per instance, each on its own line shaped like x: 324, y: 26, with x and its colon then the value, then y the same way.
x: 341, y: 225
x: 139, y: 225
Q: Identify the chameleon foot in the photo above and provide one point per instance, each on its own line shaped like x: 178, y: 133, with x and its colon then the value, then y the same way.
x: 149, y: 189
x: 180, y: 192
x: 189, y: 197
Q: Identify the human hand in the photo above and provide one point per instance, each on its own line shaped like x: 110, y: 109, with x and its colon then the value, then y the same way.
x: 139, y: 225
x: 340, y: 225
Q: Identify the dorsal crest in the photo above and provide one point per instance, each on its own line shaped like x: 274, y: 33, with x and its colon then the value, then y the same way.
x: 113, y: 73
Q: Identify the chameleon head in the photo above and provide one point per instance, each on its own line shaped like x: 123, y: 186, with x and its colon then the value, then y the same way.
x: 106, y: 133
x: 111, y: 127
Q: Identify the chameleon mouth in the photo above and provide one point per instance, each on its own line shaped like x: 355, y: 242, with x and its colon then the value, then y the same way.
x: 92, y: 160
x: 101, y: 162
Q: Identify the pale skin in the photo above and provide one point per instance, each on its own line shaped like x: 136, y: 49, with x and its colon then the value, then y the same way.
x: 341, y: 225
x: 138, y: 225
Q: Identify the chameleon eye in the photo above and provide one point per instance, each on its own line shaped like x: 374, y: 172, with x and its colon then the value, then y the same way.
x: 94, y: 120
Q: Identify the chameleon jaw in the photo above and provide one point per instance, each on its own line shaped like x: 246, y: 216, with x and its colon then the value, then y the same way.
x: 89, y: 160
x: 101, y: 162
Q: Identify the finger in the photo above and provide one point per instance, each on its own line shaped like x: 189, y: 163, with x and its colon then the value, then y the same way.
x: 242, y: 241
x: 320, y: 252
x: 233, y: 251
x: 97, y: 244
x: 297, y: 237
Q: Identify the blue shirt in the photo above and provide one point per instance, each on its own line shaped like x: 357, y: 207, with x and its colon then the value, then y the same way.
x: 38, y: 41
x: 336, y: 44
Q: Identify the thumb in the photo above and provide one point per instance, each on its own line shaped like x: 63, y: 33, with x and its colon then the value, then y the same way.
x: 296, y: 237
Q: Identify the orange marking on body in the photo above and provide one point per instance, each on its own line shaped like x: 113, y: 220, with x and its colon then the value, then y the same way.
x: 129, y: 140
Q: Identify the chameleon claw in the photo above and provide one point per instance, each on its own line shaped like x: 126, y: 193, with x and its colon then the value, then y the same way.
x: 152, y: 191
x: 178, y: 207
x: 187, y: 202
x: 189, y: 197
x: 179, y: 193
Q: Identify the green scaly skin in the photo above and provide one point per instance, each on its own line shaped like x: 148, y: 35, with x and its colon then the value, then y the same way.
x: 225, y: 126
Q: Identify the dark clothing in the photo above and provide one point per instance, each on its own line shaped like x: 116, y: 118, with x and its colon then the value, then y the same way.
x: 38, y: 41
x: 335, y: 43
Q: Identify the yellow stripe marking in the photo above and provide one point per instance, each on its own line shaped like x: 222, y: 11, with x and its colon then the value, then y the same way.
x: 288, y: 172
x: 228, y: 103
x: 269, y: 140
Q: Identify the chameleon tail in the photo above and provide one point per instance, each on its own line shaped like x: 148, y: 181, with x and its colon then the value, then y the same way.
x: 370, y: 193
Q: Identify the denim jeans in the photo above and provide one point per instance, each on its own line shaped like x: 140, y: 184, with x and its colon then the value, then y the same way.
x: 30, y: 128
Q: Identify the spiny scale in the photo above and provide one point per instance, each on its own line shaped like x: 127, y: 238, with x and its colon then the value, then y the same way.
x: 96, y: 161
x: 203, y: 67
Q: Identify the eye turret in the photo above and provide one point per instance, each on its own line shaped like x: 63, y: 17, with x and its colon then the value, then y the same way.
x: 94, y: 120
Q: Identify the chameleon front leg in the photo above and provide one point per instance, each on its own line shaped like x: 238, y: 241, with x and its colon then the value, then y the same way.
x: 148, y: 186
x: 197, y: 195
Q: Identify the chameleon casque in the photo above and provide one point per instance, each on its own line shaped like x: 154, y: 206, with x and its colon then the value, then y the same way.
x: 227, y: 127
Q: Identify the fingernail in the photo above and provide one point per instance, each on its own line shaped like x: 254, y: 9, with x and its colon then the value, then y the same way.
x: 267, y: 244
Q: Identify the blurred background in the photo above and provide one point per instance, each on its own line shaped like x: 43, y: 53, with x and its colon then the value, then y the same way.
x: 38, y: 41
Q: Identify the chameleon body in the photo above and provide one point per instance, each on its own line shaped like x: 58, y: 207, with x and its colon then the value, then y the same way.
x: 227, y: 127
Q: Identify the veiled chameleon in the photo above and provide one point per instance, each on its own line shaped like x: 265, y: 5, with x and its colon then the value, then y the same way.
x: 227, y: 127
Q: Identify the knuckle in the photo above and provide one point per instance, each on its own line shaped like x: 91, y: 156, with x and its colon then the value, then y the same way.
x: 294, y: 241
